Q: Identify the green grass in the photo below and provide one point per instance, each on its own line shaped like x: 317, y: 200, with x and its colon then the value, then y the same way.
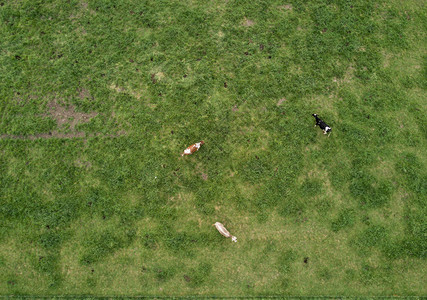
x: 99, y: 98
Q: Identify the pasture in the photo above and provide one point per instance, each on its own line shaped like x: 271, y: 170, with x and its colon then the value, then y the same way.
x: 98, y: 99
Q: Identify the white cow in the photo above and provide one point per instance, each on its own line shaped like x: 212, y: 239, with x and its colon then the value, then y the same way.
x: 224, y: 231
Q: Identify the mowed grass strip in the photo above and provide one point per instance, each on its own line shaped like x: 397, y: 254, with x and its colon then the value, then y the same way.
x: 99, y: 98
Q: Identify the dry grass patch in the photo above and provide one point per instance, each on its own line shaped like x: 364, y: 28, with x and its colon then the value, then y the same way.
x: 288, y: 7
x: 248, y: 22
x: 281, y: 101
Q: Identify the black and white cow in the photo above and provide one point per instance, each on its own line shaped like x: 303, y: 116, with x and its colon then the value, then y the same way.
x: 325, y: 127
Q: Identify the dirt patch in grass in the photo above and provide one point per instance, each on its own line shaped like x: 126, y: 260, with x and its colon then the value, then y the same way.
x: 204, y: 176
x: 248, y: 23
x: 281, y: 101
x: 83, y: 164
x: 65, y: 116
x: 286, y: 7
x: 68, y: 115
x: 84, y: 4
x: 118, y: 89
x: 49, y: 135
x: 202, y: 172
x: 11, y: 282
x: 84, y: 93
x: 155, y: 77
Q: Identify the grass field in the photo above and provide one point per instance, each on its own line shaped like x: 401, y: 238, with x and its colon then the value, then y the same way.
x: 99, y: 98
